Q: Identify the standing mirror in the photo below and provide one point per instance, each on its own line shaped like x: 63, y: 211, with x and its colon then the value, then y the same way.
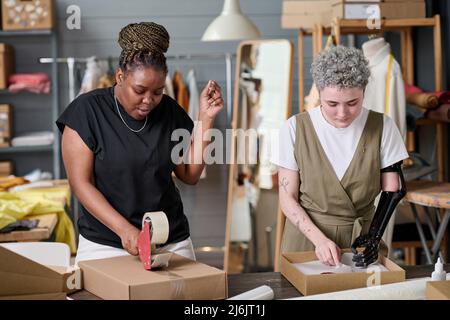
x: 262, y: 103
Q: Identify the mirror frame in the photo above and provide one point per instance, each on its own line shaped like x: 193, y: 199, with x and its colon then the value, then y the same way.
x: 233, y: 165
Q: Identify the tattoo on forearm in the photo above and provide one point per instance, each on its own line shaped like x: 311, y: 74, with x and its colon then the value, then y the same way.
x: 284, y: 183
x: 300, y: 223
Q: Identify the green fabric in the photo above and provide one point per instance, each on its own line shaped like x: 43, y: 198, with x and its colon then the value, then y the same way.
x: 340, y: 209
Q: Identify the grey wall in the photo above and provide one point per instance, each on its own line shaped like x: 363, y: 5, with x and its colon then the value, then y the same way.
x: 185, y: 20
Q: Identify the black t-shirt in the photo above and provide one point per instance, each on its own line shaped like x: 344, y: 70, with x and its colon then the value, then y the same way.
x: 132, y: 170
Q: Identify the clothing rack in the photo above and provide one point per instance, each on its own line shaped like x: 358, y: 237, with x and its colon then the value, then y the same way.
x: 70, y: 61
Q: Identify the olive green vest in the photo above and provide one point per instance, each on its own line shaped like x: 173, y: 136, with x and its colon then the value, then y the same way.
x: 340, y: 209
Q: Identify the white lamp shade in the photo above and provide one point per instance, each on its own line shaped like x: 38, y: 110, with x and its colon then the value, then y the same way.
x: 231, y: 25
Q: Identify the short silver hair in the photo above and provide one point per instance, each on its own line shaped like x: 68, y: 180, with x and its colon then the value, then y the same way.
x: 340, y: 67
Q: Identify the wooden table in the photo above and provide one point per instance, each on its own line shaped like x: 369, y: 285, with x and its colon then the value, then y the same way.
x: 44, y: 230
x: 282, y: 288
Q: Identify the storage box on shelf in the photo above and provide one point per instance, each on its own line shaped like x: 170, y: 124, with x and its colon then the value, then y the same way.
x: 6, y: 64
x: 27, y: 14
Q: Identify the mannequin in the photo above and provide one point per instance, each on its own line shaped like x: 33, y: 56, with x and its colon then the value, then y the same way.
x: 371, y: 47
x: 385, y: 92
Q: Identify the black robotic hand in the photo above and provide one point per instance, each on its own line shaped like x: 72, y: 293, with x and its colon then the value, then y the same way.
x: 370, y: 253
x: 386, y: 206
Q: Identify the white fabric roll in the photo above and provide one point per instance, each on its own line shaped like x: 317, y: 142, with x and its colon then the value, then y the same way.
x: 259, y: 293
x: 408, y: 290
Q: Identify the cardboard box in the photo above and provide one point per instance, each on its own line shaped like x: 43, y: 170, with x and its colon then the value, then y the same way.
x: 7, y: 64
x: 322, y: 283
x: 388, y: 10
x: 438, y: 290
x: 310, y: 7
x: 297, y: 21
x: 124, y: 278
x: 5, y: 122
x: 28, y: 14
x: 6, y: 168
x: 305, y: 14
x: 21, y: 276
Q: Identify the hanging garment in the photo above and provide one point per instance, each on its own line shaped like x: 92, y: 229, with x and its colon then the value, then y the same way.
x: 241, y: 217
x: 194, y: 97
x: 94, y: 71
x: 33, y: 82
x: 385, y: 91
x: 181, y: 92
x: 168, y: 89
x: 106, y: 81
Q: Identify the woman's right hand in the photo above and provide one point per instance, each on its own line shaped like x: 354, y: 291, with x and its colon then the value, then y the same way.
x: 328, y: 252
x: 129, y: 237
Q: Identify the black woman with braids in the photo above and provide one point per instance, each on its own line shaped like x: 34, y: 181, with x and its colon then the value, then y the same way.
x: 117, y: 149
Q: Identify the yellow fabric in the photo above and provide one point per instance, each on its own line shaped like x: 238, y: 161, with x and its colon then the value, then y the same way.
x: 31, y: 202
x: 388, y: 84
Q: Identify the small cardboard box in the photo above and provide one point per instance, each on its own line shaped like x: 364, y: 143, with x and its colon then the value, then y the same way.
x: 305, y: 14
x: 6, y: 168
x: 322, y: 283
x: 438, y: 290
x: 305, y: 21
x: 7, y: 64
x: 5, y: 122
x: 28, y: 14
x: 307, y: 7
x: 124, y: 278
x: 21, y: 276
x: 387, y: 10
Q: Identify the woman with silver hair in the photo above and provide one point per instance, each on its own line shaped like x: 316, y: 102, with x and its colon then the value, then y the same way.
x: 333, y: 162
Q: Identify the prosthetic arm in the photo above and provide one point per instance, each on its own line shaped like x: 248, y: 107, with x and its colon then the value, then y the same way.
x: 386, y: 205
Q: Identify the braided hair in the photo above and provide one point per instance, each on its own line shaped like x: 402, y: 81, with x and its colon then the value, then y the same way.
x: 143, y: 44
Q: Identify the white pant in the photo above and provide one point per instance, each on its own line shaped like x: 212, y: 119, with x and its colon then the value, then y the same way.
x: 88, y: 250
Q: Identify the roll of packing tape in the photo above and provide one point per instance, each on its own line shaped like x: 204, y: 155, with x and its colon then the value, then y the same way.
x: 160, y: 226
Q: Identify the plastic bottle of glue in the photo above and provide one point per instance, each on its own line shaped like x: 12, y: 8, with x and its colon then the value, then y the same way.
x: 438, y: 274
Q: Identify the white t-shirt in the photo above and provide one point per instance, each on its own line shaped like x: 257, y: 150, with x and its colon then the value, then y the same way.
x: 339, y: 144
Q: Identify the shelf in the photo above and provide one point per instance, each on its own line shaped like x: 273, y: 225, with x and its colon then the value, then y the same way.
x: 7, y: 92
x: 26, y: 33
x: 25, y: 149
x: 426, y: 122
x: 358, y: 26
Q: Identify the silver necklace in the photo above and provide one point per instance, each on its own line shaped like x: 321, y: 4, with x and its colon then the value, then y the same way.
x: 120, y: 115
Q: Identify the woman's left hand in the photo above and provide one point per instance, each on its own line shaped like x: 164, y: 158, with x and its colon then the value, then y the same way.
x: 211, y: 101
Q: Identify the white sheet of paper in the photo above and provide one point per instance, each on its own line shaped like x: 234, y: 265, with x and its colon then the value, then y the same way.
x: 347, y: 266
